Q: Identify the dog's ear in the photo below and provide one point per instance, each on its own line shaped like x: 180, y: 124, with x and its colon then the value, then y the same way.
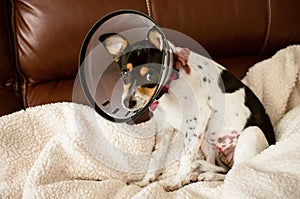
x: 114, y: 43
x: 155, y: 37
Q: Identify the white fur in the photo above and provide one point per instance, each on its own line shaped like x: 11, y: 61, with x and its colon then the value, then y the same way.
x: 141, y: 100
x: 251, y: 142
x: 197, y: 108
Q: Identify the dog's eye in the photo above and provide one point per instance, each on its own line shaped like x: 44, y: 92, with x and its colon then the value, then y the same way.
x: 126, y: 76
x: 148, y: 77
x: 125, y: 73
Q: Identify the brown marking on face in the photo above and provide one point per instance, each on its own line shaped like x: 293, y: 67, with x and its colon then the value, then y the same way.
x: 117, y: 59
x: 129, y: 66
x: 126, y: 88
x: 147, y: 91
x: 144, y: 70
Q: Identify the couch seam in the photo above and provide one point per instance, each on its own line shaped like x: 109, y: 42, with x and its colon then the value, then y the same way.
x: 16, y: 55
x: 269, y: 23
x: 148, y: 5
x: 15, y: 83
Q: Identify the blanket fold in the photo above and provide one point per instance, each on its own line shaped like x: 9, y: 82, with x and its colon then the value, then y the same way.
x: 66, y: 150
x: 276, y: 82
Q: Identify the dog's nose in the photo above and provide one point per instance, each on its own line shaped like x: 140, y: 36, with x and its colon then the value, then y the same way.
x: 129, y: 102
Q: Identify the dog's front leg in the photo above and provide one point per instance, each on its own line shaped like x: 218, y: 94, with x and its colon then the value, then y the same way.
x: 184, y: 174
x: 191, y: 153
x: 158, y: 156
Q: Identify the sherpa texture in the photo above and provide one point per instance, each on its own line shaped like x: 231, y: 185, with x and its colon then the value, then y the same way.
x: 65, y: 150
x: 276, y: 82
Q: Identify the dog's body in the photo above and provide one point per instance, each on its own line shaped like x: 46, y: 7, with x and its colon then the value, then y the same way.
x: 222, y: 120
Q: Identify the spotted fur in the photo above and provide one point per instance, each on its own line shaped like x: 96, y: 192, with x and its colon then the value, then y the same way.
x: 223, y: 122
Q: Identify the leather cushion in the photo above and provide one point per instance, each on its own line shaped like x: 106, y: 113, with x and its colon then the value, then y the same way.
x: 49, y: 36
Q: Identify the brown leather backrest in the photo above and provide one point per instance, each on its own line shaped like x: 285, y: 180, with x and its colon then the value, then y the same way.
x: 232, y: 28
x: 284, y: 24
x: 219, y: 26
x: 49, y: 35
x: 8, y: 99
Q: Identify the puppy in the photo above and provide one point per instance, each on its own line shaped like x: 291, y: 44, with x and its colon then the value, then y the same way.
x: 223, y: 123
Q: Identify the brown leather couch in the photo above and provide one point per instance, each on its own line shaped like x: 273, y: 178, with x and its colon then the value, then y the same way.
x: 41, y: 40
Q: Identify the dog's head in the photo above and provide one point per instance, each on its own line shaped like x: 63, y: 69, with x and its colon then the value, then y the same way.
x: 140, y: 65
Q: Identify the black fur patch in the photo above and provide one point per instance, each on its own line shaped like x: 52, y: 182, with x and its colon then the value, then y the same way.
x: 258, y: 116
x: 228, y: 83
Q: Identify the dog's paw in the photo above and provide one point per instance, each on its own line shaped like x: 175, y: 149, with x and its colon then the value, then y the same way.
x: 144, y: 182
x: 170, y: 185
x: 202, y: 166
x: 192, y: 177
x: 148, y: 178
x: 210, y: 176
x: 178, y: 182
x: 170, y: 188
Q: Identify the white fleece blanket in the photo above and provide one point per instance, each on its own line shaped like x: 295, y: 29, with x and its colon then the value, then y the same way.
x: 44, y: 151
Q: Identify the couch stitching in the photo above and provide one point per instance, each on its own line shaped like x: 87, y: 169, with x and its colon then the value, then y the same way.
x: 16, y: 55
x: 269, y: 22
x: 148, y: 4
